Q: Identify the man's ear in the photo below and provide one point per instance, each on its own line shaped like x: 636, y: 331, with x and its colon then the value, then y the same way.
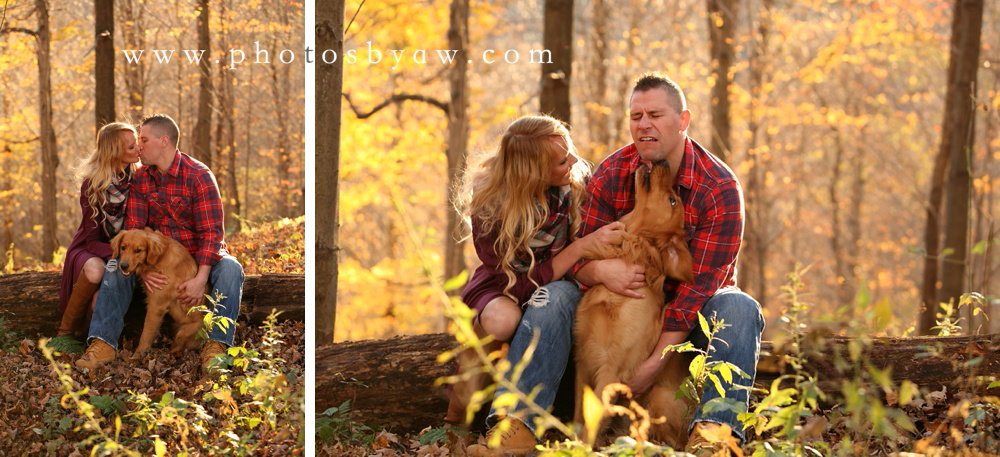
x: 685, y: 119
x: 677, y: 261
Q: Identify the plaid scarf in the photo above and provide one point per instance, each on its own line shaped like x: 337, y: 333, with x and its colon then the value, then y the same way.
x: 553, y: 234
x: 114, y: 203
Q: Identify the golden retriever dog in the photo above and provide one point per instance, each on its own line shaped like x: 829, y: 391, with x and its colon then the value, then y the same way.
x: 615, y: 333
x: 142, y: 251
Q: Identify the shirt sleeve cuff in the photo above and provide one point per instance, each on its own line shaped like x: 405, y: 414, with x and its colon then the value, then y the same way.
x: 680, y: 319
x: 207, y: 258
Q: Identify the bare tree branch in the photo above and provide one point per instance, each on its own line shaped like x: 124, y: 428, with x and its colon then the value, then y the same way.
x: 33, y: 33
x: 396, y: 98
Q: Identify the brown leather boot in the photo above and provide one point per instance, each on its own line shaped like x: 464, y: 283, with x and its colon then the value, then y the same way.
x: 518, y: 440
x: 96, y: 355
x: 709, y: 439
x: 79, y: 301
x: 462, y: 391
x: 209, y: 352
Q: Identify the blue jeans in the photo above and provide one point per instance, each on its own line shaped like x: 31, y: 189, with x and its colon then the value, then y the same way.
x: 739, y: 344
x: 554, y: 323
x: 115, y: 295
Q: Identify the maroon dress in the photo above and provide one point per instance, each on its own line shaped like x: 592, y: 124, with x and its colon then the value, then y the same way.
x: 89, y: 241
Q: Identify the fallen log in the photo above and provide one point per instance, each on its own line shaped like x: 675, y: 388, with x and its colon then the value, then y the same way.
x: 390, y: 383
x: 29, y: 302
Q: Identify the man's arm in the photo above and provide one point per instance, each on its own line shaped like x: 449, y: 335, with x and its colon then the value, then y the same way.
x: 209, y: 231
x: 714, y: 247
x: 209, y: 227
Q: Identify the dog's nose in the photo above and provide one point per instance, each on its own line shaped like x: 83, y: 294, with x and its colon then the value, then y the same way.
x: 123, y: 265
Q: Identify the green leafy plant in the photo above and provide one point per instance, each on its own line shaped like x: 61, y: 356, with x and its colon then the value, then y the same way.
x: 335, y: 425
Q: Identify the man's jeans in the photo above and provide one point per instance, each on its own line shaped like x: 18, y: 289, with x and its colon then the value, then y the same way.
x: 739, y: 344
x: 554, y: 321
x: 115, y: 295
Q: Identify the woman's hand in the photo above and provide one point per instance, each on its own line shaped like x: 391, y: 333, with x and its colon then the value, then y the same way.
x: 154, y: 281
x: 601, y: 243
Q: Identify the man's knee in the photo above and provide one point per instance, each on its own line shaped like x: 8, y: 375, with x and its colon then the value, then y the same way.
x: 736, y: 308
x: 229, y: 269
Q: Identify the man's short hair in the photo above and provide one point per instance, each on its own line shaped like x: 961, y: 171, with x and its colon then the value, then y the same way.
x: 163, y: 125
x: 654, y: 80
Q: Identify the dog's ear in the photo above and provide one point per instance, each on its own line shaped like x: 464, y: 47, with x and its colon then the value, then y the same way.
x: 677, y: 261
x: 155, y: 246
x: 148, y: 230
x: 116, y: 244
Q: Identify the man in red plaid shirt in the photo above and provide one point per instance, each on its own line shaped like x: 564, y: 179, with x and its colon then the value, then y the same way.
x: 178, y: 196
x: 713, y: 225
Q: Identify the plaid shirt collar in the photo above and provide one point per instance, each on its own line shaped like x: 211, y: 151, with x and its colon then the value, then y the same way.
x: 175, y: 166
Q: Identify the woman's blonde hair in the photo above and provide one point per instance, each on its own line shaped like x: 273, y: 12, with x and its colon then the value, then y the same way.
x: 104, y: 165
x: 505, y: 189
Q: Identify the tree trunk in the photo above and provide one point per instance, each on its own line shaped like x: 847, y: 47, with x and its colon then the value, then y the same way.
x: 47, y: 136
x: 753, y: 274
x: 29, y: 302
x: 132, y: 28
x: 279, y: 89
x: 329, y: 89
x: 722, y: 16
x: 932, y: 226
x: 201, y: 149
x: 556, y: 73
x: 598, y: 114
x: 458, y: 135
x: 953, y: 279
x: 104, y: 62
x: 226, y: 166
x: 390, y: 383
x: 841, y: 269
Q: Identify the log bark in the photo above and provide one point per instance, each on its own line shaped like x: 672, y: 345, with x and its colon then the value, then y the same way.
x: 390, y: 383
x: 29, y: 302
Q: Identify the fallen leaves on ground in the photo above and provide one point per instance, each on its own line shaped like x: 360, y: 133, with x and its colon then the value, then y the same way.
x: 38, y: 418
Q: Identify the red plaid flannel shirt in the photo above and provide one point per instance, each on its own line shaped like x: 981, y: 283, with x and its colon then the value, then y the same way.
x: 183, y: 203
x: 713, y: 222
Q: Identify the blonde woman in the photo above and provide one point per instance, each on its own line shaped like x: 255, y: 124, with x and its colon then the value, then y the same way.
x: 107, y: 175
x: 523, y: 205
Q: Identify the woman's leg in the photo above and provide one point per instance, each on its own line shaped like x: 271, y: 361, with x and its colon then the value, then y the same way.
x: 498, y: 318
x: 81, y: 297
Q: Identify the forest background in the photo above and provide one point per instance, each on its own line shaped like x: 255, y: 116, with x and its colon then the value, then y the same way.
x: 244, y: 120
x: 835, y: 123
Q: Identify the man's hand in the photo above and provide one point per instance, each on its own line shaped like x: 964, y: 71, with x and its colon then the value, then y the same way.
x: 647, y: 371
x: 154, y: 281
x: 646, y: 374
x: 622, y: 278
x: 191, y: 291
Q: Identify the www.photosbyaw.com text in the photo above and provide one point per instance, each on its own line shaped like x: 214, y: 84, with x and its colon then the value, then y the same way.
x: 370, y: 54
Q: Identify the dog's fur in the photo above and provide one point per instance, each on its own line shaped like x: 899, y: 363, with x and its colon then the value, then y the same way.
x: 615, y: 333
x: 142, y: 251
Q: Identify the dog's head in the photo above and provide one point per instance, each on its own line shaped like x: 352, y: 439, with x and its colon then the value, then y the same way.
x: 659, y: 216
x: 135, y: 249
